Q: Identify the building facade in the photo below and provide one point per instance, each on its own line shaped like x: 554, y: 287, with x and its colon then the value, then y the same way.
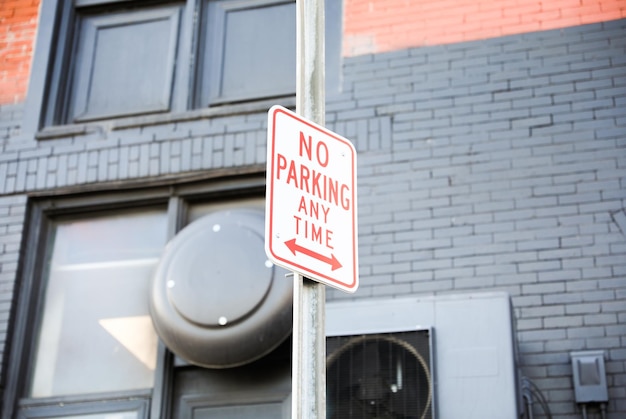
x: 491, y: 141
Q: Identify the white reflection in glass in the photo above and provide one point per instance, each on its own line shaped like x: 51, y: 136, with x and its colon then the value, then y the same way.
x: 96, y: 334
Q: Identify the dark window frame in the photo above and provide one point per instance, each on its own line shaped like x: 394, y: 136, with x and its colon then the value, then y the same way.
x: 77, y: 98
x: 62, y: 57
x: 212, y: 52
x: 137, y: 404
x: 47, y: 105
x: 42, y: 212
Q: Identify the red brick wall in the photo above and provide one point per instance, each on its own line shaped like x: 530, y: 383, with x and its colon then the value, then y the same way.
x: 369, y: 26
x: 384, y: 25
x: 18, y: 23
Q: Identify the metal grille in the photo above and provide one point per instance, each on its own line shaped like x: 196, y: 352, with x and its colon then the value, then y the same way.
x: 379, y: 376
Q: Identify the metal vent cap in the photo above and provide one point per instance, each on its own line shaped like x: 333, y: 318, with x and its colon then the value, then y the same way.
x: 216, y: 300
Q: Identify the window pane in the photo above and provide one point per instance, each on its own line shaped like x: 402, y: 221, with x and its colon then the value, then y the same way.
x: 251, y: 51
x: 96, y: 333
x: 198, y: 210
x: 116, y: 76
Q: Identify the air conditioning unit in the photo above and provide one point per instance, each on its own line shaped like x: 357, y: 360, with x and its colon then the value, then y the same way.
x: 443, y: 357
x: 379, y: 375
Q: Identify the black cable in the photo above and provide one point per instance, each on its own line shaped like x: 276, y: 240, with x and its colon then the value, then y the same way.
x: 528, y: 397
x: 531, y: 391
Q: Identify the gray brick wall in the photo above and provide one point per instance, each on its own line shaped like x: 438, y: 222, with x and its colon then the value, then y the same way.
x: 497, y: 164
x: 506, y: 169
x: 12, y: 210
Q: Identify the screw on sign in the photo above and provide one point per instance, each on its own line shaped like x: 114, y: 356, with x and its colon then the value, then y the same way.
x: 311, y: 208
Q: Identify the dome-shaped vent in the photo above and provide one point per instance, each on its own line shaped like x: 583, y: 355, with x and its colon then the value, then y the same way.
x: 217, y: 301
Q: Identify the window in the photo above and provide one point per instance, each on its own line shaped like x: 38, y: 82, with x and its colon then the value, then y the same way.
x: 94, y: 349
x: 122, y: 58
x: 96, y: 334
x: 83, y: 343
x: 114, y: 52
x: 250, y: 51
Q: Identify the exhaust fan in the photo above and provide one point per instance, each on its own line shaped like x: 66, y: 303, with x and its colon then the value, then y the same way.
x: 376, y: 376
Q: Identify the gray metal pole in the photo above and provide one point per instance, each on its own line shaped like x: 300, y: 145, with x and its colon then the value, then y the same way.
x: 308, y: 390
x: 309, y: 337
x: 310, y: 79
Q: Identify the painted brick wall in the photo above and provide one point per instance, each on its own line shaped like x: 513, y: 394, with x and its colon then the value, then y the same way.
x: 501, y: 164
x: 386, y: 25
x: 18, y: 23
x: 369, y: 26
x: 12, y: 210
x: 493, y: 164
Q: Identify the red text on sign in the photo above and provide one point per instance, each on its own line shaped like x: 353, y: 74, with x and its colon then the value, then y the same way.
x: 313, y: 232
x: 313, y: 182
x: 321, y: 150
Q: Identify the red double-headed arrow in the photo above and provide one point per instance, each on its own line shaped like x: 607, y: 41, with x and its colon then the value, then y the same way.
x: 332, y: 260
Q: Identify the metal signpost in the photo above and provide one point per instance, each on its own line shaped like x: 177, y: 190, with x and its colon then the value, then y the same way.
x: 311, y: 221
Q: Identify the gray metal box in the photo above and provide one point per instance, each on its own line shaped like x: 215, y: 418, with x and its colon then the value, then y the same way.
x: 589, y: 377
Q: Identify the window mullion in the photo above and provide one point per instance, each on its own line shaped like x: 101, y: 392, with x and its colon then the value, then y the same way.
x: 161, y: 394
x: 184, y: 83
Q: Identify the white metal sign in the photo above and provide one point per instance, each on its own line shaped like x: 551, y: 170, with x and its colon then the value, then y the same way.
x: 311, y: 208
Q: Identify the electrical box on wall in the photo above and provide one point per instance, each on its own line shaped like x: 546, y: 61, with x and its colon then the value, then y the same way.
x: 589, y: 377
